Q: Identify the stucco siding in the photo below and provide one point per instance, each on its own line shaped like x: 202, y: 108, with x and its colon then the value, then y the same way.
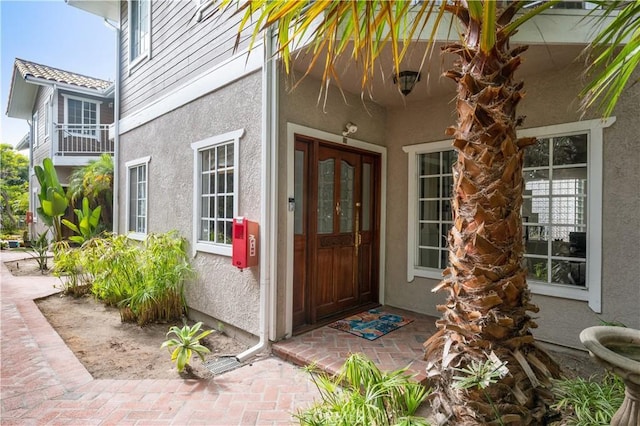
x: 181, y: 48
x: 220, y: 291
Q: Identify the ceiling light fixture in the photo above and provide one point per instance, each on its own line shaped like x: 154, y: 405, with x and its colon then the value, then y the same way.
x: 406, y: 80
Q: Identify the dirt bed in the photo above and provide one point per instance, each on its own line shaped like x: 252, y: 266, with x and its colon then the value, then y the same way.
x: 110, y: 349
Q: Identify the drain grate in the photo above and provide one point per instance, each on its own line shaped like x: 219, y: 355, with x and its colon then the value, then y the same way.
x: 223, y: 364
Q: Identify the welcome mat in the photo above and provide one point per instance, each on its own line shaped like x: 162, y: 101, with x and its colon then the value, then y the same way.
x: 371, y: 324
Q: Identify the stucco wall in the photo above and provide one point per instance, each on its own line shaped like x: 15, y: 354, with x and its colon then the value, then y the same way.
x: 550, y: 99
x: 220, y: 291
x: 412, y: 124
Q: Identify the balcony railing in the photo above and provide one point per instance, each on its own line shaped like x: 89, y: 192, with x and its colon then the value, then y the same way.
x: 82, y: 140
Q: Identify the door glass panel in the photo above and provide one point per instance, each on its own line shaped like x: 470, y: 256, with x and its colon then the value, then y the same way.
x: 366, y: 197
x: 298, y: 192
x: 346, y: 196
x: 325, y: 196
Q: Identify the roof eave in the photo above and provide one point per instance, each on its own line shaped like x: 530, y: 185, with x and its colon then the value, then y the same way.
x: 24, y: 143
x: 22, y: 96
x: 104, y: 8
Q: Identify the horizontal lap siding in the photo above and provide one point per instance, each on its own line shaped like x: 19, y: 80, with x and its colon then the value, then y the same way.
x: 43, y: 149
x: 181, y: 49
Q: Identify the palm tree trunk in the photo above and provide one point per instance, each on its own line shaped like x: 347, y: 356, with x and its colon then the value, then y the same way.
x: 488, y: 303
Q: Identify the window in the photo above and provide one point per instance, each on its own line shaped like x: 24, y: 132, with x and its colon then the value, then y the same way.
x: 561, y: 210
x: 137, y: 190
x: 215, y: 191
x: 139, y: 37
x: 35, y: 123
x: 47, y: 117
x: 82, y: 116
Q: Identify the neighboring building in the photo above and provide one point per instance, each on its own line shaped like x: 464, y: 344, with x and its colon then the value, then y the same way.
x: 69, y: 115
x: 207, y: 133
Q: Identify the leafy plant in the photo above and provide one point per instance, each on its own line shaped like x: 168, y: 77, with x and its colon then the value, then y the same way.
x: 185, y: 343
x: 68, y: 264
x: 88, y: 221
x: 589, y: 402
x: 94, y: 181
x: 481, y: 375
x: 39, y: 251
x: 361, y: 394
x: 146, y: 281
x: 53, y: 201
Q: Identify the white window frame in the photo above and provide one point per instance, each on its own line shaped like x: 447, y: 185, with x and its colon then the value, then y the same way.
x: 35, y: 201
x: 144, y: 161
x: 593, y: 291
x: 35, y: 121
x: 203, y: 145
x: 47, y: 117
x: 98, y: 104
x: 145, y: 53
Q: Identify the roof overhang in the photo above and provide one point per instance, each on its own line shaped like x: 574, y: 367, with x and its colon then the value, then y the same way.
x: 24, y: 143
x: 22, y: 96
x: 104, y: 8
x: 23, y: 92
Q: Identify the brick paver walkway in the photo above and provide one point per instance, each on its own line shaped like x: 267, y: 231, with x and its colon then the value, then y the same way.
x: 328, y: 347
x: 43, y: 383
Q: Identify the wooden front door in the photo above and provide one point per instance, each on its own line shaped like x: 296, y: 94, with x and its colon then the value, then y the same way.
x: 336, y: 230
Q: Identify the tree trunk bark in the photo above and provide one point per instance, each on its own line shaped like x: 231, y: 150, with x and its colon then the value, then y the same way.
x: 487, y: 308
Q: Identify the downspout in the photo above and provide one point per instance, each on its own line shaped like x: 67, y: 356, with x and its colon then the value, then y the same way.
x: 268, y: 214
x: 115, y: 204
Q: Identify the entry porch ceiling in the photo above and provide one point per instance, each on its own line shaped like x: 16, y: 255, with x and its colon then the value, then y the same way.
x: 537, y: 60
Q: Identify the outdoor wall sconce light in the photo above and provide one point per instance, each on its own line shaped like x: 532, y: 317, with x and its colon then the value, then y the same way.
x: 406, y: 80
x: 349, y: 129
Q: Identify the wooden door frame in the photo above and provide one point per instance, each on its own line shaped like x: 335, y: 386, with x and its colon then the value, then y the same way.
x: 292, y: 130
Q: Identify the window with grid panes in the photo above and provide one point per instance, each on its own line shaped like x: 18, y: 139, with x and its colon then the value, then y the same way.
x: 215, y: 191
x: 562, y: 209
x: 554, y: 211
x: 137, y: 197
x: 435, y: 181
x: 140, y: 18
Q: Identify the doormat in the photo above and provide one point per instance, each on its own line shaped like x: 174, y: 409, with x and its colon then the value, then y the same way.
x: 371, y: 324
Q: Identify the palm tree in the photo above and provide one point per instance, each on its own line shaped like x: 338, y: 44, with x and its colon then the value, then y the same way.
x: 94, y: 181
x: 486, y: 315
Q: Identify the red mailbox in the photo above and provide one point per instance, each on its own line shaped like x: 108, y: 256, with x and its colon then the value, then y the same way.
x: 245, y: 243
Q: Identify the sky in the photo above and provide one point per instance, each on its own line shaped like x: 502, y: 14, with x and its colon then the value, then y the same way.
x: 55, y: 34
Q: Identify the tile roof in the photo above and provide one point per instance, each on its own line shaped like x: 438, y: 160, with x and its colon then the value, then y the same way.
x: 45, y: 72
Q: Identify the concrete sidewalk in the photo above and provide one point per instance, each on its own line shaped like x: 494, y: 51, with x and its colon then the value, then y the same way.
x: 43, y: 383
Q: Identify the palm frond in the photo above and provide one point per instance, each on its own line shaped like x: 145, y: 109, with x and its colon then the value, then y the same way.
x: 615, y: 53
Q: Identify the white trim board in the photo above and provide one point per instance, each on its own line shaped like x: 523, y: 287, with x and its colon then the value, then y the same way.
x: 221, y: 75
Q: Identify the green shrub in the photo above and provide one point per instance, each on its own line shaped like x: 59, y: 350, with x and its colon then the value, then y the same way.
x: 588, y: 402
x: 363, y: 395
x: 68, y: 267
x: 145, y: 280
